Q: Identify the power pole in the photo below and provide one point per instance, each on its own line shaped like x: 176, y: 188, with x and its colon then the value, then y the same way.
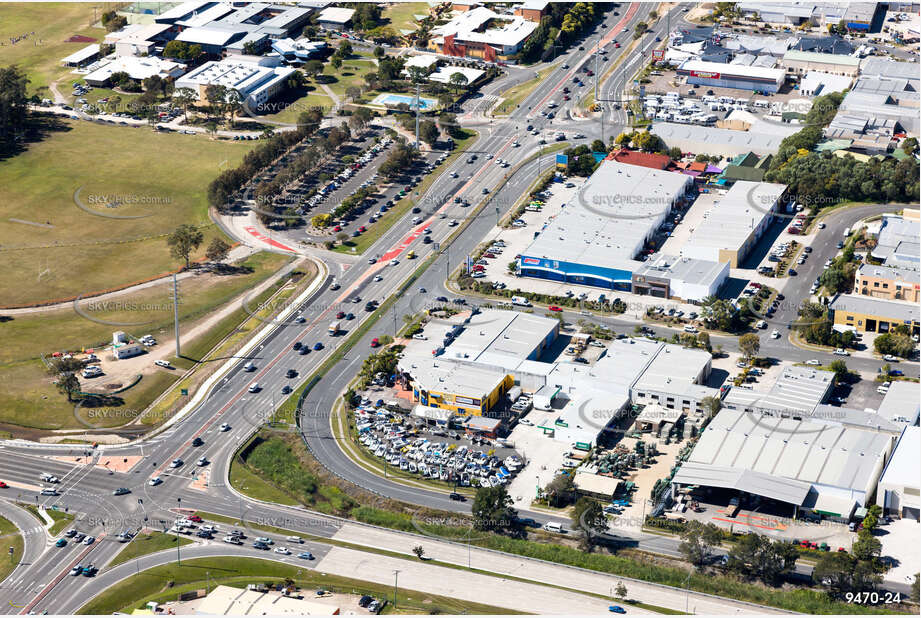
x: 396, y: 573
x: 176, y: 312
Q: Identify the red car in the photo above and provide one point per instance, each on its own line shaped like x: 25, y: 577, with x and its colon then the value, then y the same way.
x: 554, y: 308
x: 794, y: 230
x: 616, y: 45
x: 3, y: 485
x: 196, y: 519
x: 338, y: 228
x: 340, y: 315
x: 566, y: 97
x: 489, y: 255
x: 375, y: 342
x: 478, y: 268
x: 362, y: 228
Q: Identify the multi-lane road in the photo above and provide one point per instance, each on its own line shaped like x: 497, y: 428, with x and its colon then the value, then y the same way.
x: 231, y: 413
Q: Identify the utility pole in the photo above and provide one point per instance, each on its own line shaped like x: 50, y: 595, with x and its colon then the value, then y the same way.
x: 417, y: 117
x: 396, y: 573
x: 178, y: 538
x: 176, y: 311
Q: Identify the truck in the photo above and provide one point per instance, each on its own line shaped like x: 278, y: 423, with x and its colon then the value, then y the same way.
x: 334, y: 328
x: 521, y: 301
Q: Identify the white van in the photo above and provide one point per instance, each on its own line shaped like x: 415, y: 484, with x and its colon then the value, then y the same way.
x: 554, y: 526
x: 417, y: 220
x: 688, y: 328
x: 761, y: 104
x: 725, y: 100
x: 249, y: 366
x: 254, y: 387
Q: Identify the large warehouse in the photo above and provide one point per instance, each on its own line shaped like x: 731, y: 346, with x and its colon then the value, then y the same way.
x: 735, y: 223
x: 596, y: 237
x: 814, y: 466
x: 719, y: 75
x: 899, y: 491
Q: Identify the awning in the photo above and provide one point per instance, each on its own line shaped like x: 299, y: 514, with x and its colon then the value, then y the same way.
x: 757, y: 483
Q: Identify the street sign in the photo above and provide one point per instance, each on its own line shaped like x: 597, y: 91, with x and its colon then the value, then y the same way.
x: 184, y: 392
x: 562, y: 159
x: 658, y: 54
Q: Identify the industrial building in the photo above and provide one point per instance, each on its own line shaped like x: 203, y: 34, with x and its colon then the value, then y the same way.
x: 671, y: 276
x: 335, y: 18
x: 719, y: 75
x: 714, y: 141
x: 856, y: 15
x: 888, y: 283
x: 900, y: 405
x: 82, y: 57
x: 482, y: 33
x: 469, y: 390
x: 798, y: 62
x: 735, y: 222
x: 897, y: 243
x: 796, y: 394
x: 814, y: 83
x: 257, y: 78
x: 596, y: 237
x: 300, y: 50
x: 899, y: 490
x: 873, y: 315
x: 793, y: 465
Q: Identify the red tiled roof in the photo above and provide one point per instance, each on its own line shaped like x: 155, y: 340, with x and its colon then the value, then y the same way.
x: 642, y: 159
x: 698, y: 166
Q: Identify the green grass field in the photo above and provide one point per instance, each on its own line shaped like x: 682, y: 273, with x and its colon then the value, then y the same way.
x: 516, y: 94
x: 149, y: 543
x: 120, y: 171
x: 399, y: 15
x: 30, y: 400
x: 351, y: 73
x: 53, y: 23
x: 9, y: 537
x: 151, y: 585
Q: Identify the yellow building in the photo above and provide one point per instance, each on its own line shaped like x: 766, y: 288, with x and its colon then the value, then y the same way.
x: 888, y: 283
x: 874, y: 315
x: 463, y: 389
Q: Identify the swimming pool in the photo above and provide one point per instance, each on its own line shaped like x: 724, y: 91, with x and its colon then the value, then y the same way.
x: 392, y: 100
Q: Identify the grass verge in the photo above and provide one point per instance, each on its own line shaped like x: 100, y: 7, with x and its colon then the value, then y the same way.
x: 151, y: 585
x: 147, y: 543
x: 11, y: 538
x: 513, y: 97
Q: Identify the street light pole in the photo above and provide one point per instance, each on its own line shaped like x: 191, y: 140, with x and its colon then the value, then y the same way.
x: 396, y: 573
x: 178, y: 544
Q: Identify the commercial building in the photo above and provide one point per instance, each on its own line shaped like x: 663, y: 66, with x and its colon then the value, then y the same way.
x: 257, y: 79
x: 897, y: 243
x: 671, y: 276
x: 735, y: 222
x: 815, y: 83
x: 502, y: 337
x: 462, y: 389
x: 821, y: 467
x: 300, y: 50
x: 335, y: 18
x: 138, y: 68
x: 899, y: 490
x: 596, y: 237
x: 873, y: 315
x: 856, y: 15
x: 888, y: 283
x: 884, y: 101
x: 532, y: 10
x: 145, y: 40
x: 229, y: 601
x: 674, y: 379
x: 796, y: 394
x: 801, y: 62
x: 718, y: 75
x: 482, y: 33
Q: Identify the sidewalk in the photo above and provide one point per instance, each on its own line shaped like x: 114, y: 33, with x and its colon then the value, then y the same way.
x: 526, y: 568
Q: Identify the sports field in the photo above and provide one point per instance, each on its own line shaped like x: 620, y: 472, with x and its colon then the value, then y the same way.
x: 53, y: 23
x: 57, y: 246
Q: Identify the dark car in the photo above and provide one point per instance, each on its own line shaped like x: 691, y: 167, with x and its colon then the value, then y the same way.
x: 285, y: 389
x: 442, y: 299
x: 197, y: 442
x: 416, y: 210
x: 297, y: 345
x: 317, y: 346
x: 457, y: 497
x: 260, y: 545
x: 121, y: 491
x: 203, y: 534
x: 349, y: 316
x: 291, y: 373
x: 304, y: 351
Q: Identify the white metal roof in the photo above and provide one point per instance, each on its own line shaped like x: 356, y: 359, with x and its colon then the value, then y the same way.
x: 335, y: 15
x: 84, y: 54
x: 733, y: 70
x: 903, y: 469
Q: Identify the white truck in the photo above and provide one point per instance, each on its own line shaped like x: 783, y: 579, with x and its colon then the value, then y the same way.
x: 521, y: 301
x: 334, y: 328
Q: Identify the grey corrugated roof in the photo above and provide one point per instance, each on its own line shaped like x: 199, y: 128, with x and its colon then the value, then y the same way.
x: 784, y: 490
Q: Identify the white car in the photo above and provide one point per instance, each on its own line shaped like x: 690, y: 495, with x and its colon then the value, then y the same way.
x: 775, y: 334
x: 282, y: 550
x: 393, y: 262
x: 175, y: 463
x: 202, y: 461
x: 841, y: 352
x: 225, y: 427
x: 163, y: 363
x: 821, y: 225
x: 890, y: 358
x: 813, y: 362
x: 420, y: 337
x: 155, y: 481
x: 378, y: 278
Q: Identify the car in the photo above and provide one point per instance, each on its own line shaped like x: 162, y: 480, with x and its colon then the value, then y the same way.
x: 266, y: 540
x: 617, y: 609
x: 224, y: 427
x: 305, y: 555
x: 285, y: 390
x: 457, y: 497
x: 420, y: 337
x: 334, y: 286
x: 821, y: 225
x: 282, y: 550
x: 76, y: 570
x: 422, y: 291
x: 197, y: 441
x: 554, y: 308
x: 841, y: 352
x: 61, y: 543
x: 202, y: 461
x: 260, y: 545
x: 792, y: 272
x: 375, y: 343
x: 3, y: 485
x: 297, y: 345
x: 813, y: 362
x: 291, y: 373
x: 233, y: 540
x: 317, y: 346
x: 775, y: 334
x: 890, y: 358
x: 163, y: 363
x: 155, y: 481
x: 349, y: 316
x: 175, y: 463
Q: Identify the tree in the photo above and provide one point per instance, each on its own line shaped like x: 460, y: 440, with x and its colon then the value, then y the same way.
x: 185, y: 98
x: 379, y: 52
x: 841, y: 572
x: 457, y: 80
x: 68, y: 384
x: 560, y: 491
x: 749, y: 344
x: 216, y: 95
x: 183, y: 240
x: 312, y: 68
x: 698, y: 541
x: 588, y: 518
x: 112, y: 21
x: 910, y: 145
x: 598, y: 146
x: 417, y: 74
x: 353, y: 92
x: 345, y: 49
x: 336, y: 61
x: 428, y: 132
x: 840, y: 369
x: 419, y: 551
x: 893, y: 343
x: 217, y: 250
x: 675, y: 153
x: 620, y: 591
x: 492, y: 509
x: 866, y: 547
x: 234, y: 103
x: 757, y: 556
x: 711, y: 405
